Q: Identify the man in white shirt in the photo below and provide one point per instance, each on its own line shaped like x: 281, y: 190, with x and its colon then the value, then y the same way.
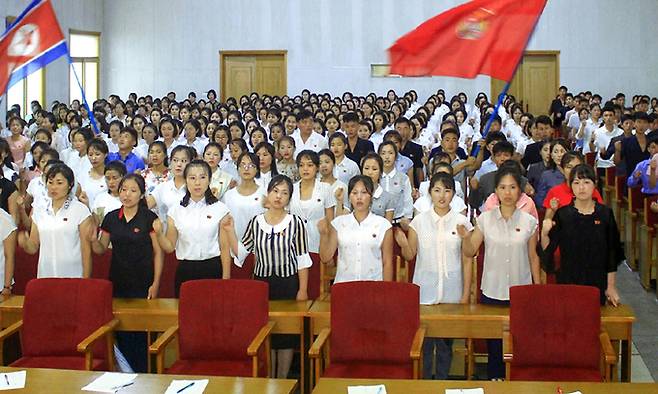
x: 602, y: 136
x: 304, y: 137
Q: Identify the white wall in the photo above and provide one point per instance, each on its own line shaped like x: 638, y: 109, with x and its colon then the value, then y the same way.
x: 84, y: 15
x: 154, y: 46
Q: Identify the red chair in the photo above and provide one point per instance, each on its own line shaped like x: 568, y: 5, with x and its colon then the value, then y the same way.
x: 223, y: 329
x: 375, y: 332
x: 63, y: 321
x: 555, y: 335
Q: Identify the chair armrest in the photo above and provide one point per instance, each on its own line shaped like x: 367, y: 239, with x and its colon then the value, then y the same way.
x: 608, y: 351
x: 102, y: 331
x: 508, y: 354
x: 11, y: 330
x: 417, y: 344
x: 318, y: 344
x: 164, y: 339
x: 259, y: 339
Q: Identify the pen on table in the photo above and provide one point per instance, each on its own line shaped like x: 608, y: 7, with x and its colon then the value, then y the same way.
x: 185, y: 388
x: 6, y: 379
x: 379, y: 390
x: 116, y: 388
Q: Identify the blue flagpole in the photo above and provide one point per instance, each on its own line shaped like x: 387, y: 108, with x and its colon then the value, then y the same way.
x: 92, y: 119
x: 501, y: 98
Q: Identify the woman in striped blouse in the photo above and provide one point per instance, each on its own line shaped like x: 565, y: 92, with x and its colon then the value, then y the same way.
x: 279, y: 243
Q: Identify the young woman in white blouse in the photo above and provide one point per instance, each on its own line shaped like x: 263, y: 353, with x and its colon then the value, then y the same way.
x: 312, y: 200
x: 245, y: 201
x: 60, y: 230
x: 199, y: 229
x: 510, y: 256
x: 169, y: 194
x: 93, y: 182
x: 442, y: 274
x: 363, y: 239
x: 266, y: 153
x: 109, y: 201
x: 279, y: 243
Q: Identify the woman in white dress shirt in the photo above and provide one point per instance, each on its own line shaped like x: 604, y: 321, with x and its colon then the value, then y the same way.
x: 168, y: 194
x: 312, y: 200
x: 60, y: 230
x: 441, y: 272
x: 109, y: 201
x: 363, y: 239
x: 510, y: 256
x: 93, y: 182
x: 199, y: 229
x: 266, y: 153
x: 246, y: 200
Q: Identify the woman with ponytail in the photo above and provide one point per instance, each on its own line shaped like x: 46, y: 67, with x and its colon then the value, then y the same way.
x: 136, y: 258
x: 200, y: 230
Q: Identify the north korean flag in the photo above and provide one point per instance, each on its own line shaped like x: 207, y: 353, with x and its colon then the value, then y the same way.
x: 30, y: 43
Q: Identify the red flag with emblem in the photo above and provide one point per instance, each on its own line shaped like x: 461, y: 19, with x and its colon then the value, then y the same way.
x: 30, y: 43
x: 479, y: 37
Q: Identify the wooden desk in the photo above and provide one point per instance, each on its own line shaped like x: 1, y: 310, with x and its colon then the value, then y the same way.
x: 332, y: 386
x: 66, y: 381
x: 477, y: 321
x: 136, y: 314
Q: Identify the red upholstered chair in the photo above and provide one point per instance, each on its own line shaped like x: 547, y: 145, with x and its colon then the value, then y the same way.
x: 63, y: 322
x: 223, y: 329
x: 375, y: 332
x: 555, y: 335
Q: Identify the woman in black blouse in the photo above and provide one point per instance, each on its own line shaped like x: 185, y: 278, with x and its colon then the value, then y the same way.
x: 136, y: 258
x: 588, y: 238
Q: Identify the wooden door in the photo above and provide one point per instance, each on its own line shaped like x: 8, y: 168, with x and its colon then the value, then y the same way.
x: 243, y: 72
x: 540, y: 82
x: 535, y: 83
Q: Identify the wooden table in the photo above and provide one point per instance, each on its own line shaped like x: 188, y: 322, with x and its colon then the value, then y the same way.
x: 136, y: 314
x: 66, y: 381
x: 334, y: 386
x: 478, y: 321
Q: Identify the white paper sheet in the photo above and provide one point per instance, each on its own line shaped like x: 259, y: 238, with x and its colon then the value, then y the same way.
x: 465, y: 391
x: 377, y: 389
x: 196, y: 388
x: 110, y: 382
x: 12, y: 380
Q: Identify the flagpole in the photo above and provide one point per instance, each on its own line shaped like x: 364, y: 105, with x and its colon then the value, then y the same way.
x: 92, y: 119
x: 501, y: 98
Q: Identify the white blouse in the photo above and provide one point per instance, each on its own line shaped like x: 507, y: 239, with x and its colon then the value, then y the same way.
x: 166, y: 196
x: 359, y: 247
x: 506, y: 259
x: 105, y: 203
x: 243, y: 208
x: 312, y: 210
x: 92, y: 187
x: 346, y: 170
x: 439, y: 263
x: 198, y: 229
x: 59, y: 251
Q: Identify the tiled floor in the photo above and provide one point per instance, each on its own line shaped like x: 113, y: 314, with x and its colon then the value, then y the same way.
x: 645, y: 329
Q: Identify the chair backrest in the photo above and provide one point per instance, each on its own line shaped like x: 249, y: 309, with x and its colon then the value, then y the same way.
x: 219, y: 318
x: 59, y: 313
x: 555, y: 325
x: 373, y: 321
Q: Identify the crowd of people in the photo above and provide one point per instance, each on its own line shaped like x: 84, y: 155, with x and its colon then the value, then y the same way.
x: 292, y: 182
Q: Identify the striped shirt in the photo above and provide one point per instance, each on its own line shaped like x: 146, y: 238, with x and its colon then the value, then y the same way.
x: 280, y: 250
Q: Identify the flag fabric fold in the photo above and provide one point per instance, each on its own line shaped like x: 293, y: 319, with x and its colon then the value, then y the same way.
x: 479, y: 37
x: 30, y: 43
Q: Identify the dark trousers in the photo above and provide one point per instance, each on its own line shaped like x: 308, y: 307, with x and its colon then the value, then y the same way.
x: 133, y: 345
x: 437, y: 357
x: 495, y: 364
x: 196, y: 269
